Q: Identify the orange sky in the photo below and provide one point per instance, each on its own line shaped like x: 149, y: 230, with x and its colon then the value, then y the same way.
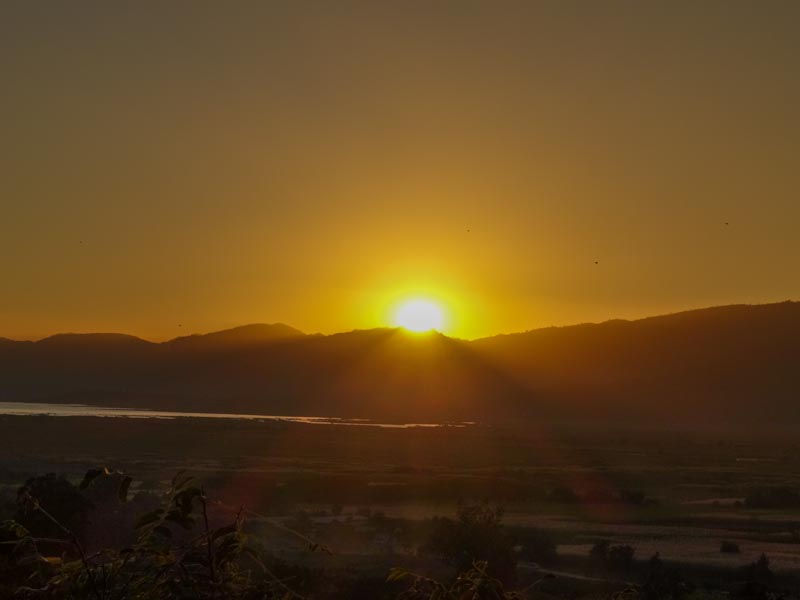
x: 212, y: 164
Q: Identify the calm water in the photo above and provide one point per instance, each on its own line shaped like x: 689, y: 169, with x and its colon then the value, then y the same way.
x: 83, y: 410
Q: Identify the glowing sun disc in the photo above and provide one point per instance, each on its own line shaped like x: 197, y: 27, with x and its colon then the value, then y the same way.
x: 419, y: 315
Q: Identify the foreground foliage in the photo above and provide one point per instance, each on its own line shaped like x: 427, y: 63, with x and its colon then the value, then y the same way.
x: 176, y: 554
x: 184, y: 545
x: 474, y: 584
x: 476, y: 536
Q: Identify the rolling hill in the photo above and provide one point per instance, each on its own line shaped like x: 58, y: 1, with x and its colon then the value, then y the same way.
x: 725, y: 364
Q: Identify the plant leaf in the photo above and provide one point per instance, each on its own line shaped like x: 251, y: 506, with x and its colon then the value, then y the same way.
x: 223, y: 531
x: 397, y: 574
x: 90, y: 476
x: 163, y: 530
x: 184, y: 521
x: 148, y: 518
x: 122, y: 491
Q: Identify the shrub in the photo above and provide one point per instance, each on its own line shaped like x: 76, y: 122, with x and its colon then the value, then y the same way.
x: 476, y: 584
x: 564, y: 495
x: 759, y: 570
x: 59, y: 499
x: 176, y: 553
x: 620, y: 558
x: 633, y: 497
x: 726, y: 547
x: 539, y: 547
x: 599, y: 551
x: 662, y: 583
x: 772, y: 497
x: 477, y: 534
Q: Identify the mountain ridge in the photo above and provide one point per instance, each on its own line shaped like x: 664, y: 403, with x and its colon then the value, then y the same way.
x: 292, y: 331
x: 247, y: 326
x: 735, y: 362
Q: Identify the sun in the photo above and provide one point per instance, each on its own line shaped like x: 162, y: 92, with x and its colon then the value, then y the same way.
x: 419, y: 315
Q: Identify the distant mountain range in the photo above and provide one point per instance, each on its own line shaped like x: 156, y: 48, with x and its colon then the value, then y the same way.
x: 725, y: 364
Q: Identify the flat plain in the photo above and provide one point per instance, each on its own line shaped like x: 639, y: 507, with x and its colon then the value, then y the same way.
x: 678, y: 494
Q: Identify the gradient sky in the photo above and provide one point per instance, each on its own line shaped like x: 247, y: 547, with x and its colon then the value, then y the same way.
x: 212, y: 164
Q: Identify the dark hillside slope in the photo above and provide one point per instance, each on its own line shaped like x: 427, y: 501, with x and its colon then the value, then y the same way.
x: 732, y: 363
x: 737, y: 362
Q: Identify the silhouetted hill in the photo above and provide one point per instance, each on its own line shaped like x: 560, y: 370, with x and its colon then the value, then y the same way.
x: 730, y: 362
x: 726, y: 364
x: 245, y: 335
x: 91, y: 340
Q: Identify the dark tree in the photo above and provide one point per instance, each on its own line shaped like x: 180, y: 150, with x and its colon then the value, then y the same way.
x: 620, y: 558
x: 772, y: 497
x: 59, y: 498
x: 726, y: 547
x: 633, y: 497
x: 759, y: 570
x: 538, y: 546
x: 599, y: 552
x: 477, y: 534
x: 662, y: 583
x: 759, y: 577
x: 564, y: 495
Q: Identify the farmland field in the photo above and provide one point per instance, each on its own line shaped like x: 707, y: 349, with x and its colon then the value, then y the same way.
x: 679, y: 495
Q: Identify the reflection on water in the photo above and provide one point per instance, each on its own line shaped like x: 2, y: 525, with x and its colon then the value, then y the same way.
x: 83, y: 410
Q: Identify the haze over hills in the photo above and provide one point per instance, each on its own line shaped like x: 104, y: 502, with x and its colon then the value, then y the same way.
x: 732, y: 364
x: 238, y: 337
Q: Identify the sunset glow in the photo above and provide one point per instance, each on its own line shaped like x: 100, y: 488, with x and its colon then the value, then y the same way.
x: 498, y: 166
x: 434, y: 286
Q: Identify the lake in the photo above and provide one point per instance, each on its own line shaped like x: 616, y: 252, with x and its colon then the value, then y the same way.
x: 85, y: 410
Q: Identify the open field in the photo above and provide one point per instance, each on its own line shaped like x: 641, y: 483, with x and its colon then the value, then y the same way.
x: 684, y: 491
